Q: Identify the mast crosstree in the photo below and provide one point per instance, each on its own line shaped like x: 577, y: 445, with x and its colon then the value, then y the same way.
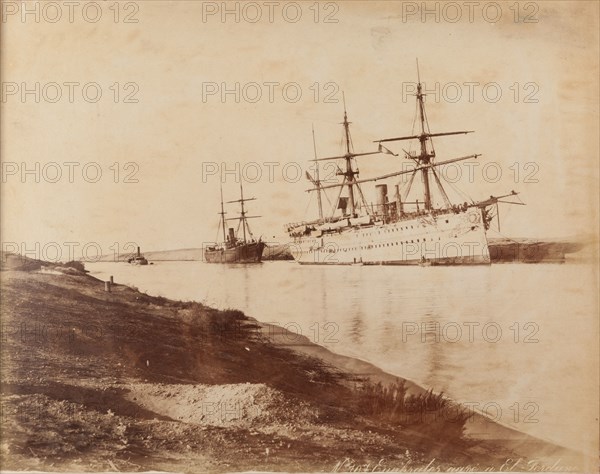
x: 349, y: 173
x: 435, y: 233
x: 243, y: 218
x: 424, y: 160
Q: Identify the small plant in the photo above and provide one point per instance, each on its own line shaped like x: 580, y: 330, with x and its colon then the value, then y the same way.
x: 429, y: 413
x: 387, y: 402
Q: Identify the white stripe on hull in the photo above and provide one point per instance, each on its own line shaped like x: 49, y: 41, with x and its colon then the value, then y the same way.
x: 446, y: 239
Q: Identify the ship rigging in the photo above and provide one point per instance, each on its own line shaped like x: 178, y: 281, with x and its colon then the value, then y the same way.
x: 235, y: 248
x: 351, y: 236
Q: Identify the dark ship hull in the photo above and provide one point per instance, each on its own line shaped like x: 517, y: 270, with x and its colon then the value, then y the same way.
x: 137, y: 259
x: 244, y: 253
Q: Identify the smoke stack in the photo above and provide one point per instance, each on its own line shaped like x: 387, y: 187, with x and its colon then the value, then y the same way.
x: 138, y: 252
x: 399, y: 203
x: 382, y: 200
x: 343, y: 205
x: 231, y: 235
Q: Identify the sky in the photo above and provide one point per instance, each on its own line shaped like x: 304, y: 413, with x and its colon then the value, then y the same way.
x: 189, y: 92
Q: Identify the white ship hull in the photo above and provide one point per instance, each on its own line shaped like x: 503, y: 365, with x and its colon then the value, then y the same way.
x: 446, y: 238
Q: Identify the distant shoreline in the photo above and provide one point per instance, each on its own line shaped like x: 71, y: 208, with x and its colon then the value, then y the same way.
x: 502, y: 250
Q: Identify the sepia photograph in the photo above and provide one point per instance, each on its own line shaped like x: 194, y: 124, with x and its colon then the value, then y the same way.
x: 299, y: 236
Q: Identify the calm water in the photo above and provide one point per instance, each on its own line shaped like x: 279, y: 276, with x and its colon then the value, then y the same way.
x: 520, y: 340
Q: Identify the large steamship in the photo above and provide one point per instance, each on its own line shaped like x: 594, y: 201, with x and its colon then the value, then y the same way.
x: 395, y: 231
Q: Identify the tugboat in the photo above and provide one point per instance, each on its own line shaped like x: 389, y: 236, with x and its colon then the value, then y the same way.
x: 395, y: 231
x: 236, y: 248
x: 137, y: 259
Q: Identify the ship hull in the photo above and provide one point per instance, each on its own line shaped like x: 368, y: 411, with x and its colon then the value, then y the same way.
x: 245, y: 253
x: 442, y: 239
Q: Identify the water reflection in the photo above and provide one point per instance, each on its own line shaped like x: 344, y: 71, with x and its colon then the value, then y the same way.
x: 357, y: 326
x: 407, y: 321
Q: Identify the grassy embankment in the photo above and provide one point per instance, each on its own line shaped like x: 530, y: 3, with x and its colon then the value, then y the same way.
x: 93, y: 380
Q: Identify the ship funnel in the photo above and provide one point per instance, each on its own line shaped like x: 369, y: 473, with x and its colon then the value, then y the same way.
x: 231, y: 235
x: 382, y: 200
x: 138, y: 252
x: 381, y: 194
x: 399, y: 204
x: 343, y: 205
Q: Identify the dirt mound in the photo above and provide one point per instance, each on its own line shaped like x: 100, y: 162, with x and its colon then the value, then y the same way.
x: 230, y: 405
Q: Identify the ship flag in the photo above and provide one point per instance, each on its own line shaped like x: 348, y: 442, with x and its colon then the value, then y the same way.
x: 383, y: 149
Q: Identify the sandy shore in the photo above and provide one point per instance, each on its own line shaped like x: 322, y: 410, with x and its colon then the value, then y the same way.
x: 93, y: 380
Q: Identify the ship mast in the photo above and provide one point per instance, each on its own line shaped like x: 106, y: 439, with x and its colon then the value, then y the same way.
x: 243, y: 212
x: 424, y: 158
x: 222, y: 214
x: 424, y: 161
x: 317, y: 179
x: 243, y: 217
x: 350, y: 172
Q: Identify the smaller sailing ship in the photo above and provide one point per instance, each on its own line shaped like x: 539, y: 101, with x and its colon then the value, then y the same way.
x: 236, y: 248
